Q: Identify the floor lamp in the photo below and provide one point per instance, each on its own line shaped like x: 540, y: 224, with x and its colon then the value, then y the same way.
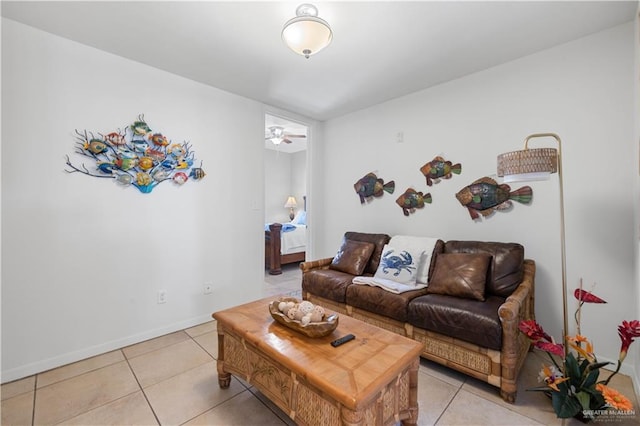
x: 534, y: 165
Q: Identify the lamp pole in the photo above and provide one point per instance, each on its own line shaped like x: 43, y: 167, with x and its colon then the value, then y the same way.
x: 537, y: 164
x: 562, y: 236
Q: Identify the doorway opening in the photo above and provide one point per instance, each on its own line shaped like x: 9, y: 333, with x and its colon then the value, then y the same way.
x: 285, y: 189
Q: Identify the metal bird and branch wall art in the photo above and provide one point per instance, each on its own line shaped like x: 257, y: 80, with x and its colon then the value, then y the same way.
x: 136, y: 156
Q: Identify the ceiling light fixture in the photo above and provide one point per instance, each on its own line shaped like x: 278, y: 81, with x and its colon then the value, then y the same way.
x: 277, y: 134
x: 306, y: 34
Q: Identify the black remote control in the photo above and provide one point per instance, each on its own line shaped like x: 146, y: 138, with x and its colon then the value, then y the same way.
x: 343, y: 339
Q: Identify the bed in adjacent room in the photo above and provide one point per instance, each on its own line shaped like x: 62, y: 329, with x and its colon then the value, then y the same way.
x: 285, y: 243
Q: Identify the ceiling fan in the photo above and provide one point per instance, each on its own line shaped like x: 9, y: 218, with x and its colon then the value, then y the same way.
x: 277, y: 135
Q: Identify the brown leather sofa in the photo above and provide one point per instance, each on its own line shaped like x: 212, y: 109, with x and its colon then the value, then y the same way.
x: 478, y: 336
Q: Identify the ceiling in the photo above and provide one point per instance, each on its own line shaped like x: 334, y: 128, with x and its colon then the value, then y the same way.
x: 380, y: 50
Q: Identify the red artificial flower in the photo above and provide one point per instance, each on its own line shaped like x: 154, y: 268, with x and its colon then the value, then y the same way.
x: 533, y: 330
x: 540, y: 338
x: 554, y: 348
x: 627, y: 331
x: 584, y: 296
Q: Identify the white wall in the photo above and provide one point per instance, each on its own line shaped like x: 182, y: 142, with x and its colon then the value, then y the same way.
x: 82, y: 258
x: 582, y: 91
x: 277, y: 185
x: 284, y: 176
x: 299, y: 177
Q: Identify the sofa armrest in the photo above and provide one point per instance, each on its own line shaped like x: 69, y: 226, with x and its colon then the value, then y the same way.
x: 316, y: 264
x: 519, y: 306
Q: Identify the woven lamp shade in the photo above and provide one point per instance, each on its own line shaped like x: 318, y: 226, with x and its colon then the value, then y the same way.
x: 538, y: 160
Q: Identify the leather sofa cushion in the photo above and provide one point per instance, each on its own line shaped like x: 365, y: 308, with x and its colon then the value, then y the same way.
x: 470, y: 320
x: 378, y: 239
x: 439, y: 248
x: 460, y: 275
x: 327, y: 283
x: 381, y: 302
x: 507, y: 265
x: 352, y: 257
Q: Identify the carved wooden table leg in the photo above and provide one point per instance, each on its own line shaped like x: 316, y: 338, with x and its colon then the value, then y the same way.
x: 224, y: 378
x: 351, y: 418
x: 413, y: 395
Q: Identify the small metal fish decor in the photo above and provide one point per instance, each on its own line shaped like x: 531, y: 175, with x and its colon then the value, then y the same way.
x: 136, y: 156
x: 438, y: 168
x: 371, y: 186
x: 484, y: 196
x: 412, y: 200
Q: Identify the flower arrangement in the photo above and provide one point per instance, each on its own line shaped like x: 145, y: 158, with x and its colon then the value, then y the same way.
x: 573, y: 384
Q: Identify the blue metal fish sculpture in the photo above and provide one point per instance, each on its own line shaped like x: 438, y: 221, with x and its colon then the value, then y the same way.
x: 371, y: 186
x: 484, y: 196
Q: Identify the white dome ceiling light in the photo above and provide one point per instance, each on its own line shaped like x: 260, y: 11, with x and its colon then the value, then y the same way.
x: 306, y: 34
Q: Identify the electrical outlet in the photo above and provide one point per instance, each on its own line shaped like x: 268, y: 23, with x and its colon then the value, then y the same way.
x: 162, y: 296
x: 207, y: 288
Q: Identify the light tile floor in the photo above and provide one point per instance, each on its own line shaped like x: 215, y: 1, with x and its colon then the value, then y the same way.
x: 172, y: 380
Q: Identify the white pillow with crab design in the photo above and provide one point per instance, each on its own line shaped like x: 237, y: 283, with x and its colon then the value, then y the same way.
x: 427, y: 244
x: 399, y: 265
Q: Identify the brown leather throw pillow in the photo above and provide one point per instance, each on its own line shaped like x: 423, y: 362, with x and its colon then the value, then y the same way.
x: 352, y: 257
x: 460, y: 275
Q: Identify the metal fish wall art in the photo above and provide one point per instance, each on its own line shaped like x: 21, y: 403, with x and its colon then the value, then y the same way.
x: 439, y: 168
x: 136, y: 156
x: 484, y: 196
x: 412, y: 200
x: 371, y: 186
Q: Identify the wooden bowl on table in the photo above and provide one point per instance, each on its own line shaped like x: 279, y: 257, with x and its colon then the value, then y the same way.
x: 313, y: 329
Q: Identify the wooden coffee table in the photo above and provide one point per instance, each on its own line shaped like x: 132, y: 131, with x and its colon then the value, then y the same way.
x: 371, y: 380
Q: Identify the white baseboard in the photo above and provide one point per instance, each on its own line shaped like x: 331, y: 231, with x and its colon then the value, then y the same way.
x: 68, y: 358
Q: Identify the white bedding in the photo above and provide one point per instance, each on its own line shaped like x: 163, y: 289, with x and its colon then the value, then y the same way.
x: 294, y: 241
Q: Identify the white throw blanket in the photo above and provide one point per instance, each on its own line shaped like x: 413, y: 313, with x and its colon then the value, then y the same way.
x: 388, y: 285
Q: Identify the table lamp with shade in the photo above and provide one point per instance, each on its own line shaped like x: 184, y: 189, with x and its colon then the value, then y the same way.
x: 291, y: 204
